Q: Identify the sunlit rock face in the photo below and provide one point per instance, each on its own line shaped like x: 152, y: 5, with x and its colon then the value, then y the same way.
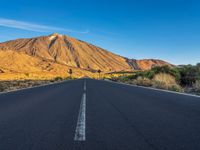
x: 43, y: 53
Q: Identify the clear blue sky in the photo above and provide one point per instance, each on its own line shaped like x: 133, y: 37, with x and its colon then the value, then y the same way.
x: 163, y: 29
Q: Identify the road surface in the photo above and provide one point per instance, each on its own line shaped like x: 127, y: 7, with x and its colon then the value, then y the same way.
x: 89, y: 114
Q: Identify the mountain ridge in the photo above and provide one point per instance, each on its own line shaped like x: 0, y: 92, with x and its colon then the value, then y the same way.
x: 70, y: 52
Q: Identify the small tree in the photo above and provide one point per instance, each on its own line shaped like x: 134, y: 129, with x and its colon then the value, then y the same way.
x: 70, y: 72
x: 99, y: 71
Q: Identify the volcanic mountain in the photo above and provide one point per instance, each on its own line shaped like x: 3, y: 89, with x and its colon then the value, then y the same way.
x: 56, y: 53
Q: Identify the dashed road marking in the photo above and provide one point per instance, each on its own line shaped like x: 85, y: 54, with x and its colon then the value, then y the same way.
x: 80, y: 134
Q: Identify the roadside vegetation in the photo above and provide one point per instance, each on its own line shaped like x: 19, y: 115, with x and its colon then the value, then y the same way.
x: 6, y: 86
x: 10, y: 85
x: 179, y: 79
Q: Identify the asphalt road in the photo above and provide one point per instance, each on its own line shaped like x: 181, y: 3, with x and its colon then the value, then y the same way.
x: 88, y: 114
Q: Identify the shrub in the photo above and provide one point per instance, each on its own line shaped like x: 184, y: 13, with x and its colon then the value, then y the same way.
x: 149, y: 74
x: 166, y: 78
x: 157, y: 70
x: 167, y: 82
x: 68, y: 78
x: 196, y: 86
x: 144, y: 74
x: 168, y: 70
x: 58, y: 78
x: 161, y: 69
x: 189, y: 75
x: 1, y: 88
x: 175, y: 72
x: 125, y: 78
x: 160, y: 85
x: 175, y: 88
x: 115, y: 79
x: 122, y: 78
x: 142, y: 81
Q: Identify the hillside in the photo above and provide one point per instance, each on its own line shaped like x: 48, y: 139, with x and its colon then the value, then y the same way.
x: 56, y: 53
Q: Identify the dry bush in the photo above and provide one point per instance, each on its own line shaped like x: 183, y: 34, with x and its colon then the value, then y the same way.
x: 19, y: 84
x: 176, y: 88
x: 167, y: 82
x: 142, y: 81
x: 165, y: 78
x: 165, y: 86
x: 159, y: 84
x: 161, y: 81
x: 2, y: 87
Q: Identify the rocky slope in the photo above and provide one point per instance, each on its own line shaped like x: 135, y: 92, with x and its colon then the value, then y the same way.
x: 54, y: 52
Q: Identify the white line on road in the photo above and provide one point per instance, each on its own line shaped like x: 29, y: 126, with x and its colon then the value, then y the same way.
x: 81, y: 123
x: 85, y: 85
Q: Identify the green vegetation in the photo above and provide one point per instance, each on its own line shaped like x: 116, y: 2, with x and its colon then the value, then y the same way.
x: 196, y: 87
x: 156, y: 70
x: 181, y: 78
x: 189, y: 74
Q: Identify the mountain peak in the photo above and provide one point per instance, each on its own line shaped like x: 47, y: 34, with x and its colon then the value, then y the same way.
x: 55, y: 35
